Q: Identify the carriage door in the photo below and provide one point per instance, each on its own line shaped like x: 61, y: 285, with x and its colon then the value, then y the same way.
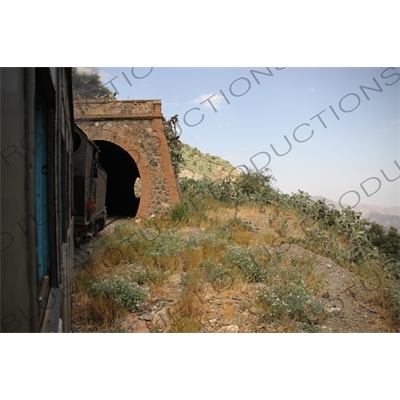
x: 41, y: 173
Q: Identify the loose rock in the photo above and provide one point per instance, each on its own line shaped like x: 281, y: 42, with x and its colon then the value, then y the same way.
x: 229, y: 329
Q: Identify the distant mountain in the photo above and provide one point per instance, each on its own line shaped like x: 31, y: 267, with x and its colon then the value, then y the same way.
x: 385, y: 220
x: 386, y: 216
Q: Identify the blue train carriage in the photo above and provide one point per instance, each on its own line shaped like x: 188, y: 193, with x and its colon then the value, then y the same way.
x: 90, y: 184
x: 37, y: 232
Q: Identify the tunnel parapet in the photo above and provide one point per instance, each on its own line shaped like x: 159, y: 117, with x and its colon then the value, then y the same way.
x: 137, y: 127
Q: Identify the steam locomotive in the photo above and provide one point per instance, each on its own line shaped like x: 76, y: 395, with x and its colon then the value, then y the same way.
x: 90, y: 186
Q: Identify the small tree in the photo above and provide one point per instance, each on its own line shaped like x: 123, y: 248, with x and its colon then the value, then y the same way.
x: 254, y: 183
x: 391, y: 247
x: 376, y: 234
x: 388, y: 242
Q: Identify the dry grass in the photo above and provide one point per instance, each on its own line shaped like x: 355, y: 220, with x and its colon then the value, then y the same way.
x: 216, y: 266
x: 93, y: 314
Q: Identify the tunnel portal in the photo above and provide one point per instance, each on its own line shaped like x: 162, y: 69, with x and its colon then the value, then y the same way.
x: 131, y: 137
x: 122, y: 173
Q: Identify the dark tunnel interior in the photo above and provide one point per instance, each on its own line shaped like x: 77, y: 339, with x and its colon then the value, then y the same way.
x: 122, y: 172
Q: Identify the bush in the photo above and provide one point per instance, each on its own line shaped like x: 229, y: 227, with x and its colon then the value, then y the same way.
x: 252, y: 262
x: 220, y: 277
x: 146, y: 275
x: 388, y: 244
x: 392, y: 297
x: 166, y: 244
x: 391, y: 244
x: 251, y: 186
x: 179, y: 213
x: 291, y: 301
x: 122, y: 290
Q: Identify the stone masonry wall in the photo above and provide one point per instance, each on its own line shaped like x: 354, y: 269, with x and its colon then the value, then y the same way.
x: 137, y: 127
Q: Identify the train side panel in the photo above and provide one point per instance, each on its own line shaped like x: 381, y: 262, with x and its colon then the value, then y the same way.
x: 18, y: 269
x: 36, y: 199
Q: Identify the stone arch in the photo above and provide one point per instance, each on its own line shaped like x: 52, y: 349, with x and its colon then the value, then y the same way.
x: 122, y: 173
x: 143, y: 166
x: 136, y: 127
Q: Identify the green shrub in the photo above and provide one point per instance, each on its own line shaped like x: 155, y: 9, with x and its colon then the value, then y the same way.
x: 392, y: 296
x: 122, y: 290
x: 387, y: 242
x: 146, y: 275
x: 250, y: 186
x: 216, y: 274
x: 166, y: 244
x: 285, y: 301
x: 179, y: 213
x: 252, y: 262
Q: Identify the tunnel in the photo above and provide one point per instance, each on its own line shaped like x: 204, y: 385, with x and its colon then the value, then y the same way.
x: 122, y: 173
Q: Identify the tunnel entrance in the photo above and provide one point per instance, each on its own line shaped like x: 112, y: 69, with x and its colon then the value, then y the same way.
x: 122, y: 173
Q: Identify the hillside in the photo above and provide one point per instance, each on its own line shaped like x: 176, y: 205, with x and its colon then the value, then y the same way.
x: 197, y: 165
x: 237, y: 256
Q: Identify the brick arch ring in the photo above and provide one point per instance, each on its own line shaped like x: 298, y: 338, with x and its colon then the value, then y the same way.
x: 159, y: 187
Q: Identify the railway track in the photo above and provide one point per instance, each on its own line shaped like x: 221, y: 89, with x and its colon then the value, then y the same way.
x: 82, y: 252
x: 112, y: 219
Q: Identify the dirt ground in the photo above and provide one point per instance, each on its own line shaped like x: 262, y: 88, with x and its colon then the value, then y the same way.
x: 348, y: 301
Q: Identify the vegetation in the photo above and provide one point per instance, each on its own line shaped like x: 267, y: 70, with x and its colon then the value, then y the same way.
x: 388, y: 244
x: 198, y: 165
x: 237, y: 244
x: 387, y: 241
x: 174, y: 144
x: 88, y: 86
x: 123, y: 291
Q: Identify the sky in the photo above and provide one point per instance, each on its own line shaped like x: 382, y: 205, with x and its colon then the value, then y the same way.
x: 320, y: 130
